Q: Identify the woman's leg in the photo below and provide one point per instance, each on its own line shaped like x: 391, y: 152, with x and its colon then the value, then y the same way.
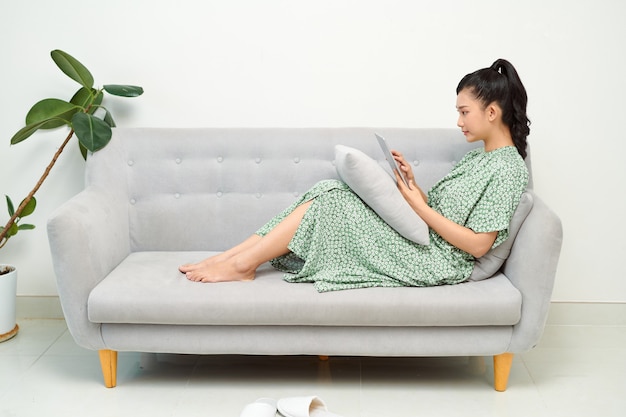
x: 245, y: 258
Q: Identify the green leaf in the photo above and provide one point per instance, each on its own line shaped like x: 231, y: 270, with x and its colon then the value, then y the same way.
x: 30, y: 207
x: 83, y: 150
x: 72, y: 68
x: 93, y: 133
x: 13, y: 230
x: 108, y: 118
x: 86, y: 97
x: 123, y: 90
x: 10, y: 206
x: 27, y: 131
x: 52, y: 110
x: 26, y: 227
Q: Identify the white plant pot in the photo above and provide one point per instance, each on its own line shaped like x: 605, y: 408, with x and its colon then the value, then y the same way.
x: 8, y: 293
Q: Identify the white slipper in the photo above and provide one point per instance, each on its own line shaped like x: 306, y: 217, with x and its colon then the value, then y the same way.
x: 304, y: 407
x: 263, y: 407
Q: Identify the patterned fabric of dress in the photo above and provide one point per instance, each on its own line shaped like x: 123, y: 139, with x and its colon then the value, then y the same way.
x: 342, y: 243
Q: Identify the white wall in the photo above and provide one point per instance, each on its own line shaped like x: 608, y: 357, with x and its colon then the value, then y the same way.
x: 333, y: 63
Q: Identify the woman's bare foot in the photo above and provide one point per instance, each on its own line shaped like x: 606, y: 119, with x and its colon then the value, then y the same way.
x: 232, y: 269
x: 222, y: 257
x: 204, y: 263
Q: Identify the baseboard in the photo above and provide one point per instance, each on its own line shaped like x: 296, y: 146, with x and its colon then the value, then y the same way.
x: 561, y: 313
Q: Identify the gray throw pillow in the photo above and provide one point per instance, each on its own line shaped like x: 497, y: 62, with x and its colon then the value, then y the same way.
x: 487, y: 265
x: 379, y: 191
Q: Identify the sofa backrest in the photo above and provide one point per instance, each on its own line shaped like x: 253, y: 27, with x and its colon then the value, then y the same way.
x: 209, y: 188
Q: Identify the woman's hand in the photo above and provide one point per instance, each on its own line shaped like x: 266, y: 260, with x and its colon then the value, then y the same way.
x: 406, y: 171
x: 412, y: 194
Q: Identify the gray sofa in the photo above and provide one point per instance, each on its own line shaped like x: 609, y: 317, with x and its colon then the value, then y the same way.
x: 158, y: 198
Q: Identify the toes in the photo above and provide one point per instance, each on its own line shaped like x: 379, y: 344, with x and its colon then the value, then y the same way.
x: 192, y: 277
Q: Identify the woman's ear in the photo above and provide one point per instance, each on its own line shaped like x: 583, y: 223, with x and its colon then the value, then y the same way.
x: 493, y: 111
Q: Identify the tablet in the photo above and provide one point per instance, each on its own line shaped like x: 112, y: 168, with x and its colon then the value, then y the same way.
x: 389, y: 157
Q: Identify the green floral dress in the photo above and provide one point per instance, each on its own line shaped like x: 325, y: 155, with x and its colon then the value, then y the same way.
x: 342, y: 243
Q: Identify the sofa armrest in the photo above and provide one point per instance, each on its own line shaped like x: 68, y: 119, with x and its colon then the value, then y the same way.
x: 531, y: 268
x: 88, y: 237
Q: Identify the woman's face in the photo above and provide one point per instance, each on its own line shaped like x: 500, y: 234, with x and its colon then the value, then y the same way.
x: 473, y: 119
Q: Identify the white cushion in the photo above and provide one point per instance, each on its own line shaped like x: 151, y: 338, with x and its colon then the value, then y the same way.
x: 379, y: 191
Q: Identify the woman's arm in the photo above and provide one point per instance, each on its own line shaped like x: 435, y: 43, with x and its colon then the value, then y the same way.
x: 476, y: 244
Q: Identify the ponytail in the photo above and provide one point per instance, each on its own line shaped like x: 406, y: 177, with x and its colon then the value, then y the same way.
x: 500, y: 83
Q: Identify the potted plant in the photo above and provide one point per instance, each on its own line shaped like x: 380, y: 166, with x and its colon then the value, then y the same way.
x: 90, y: 122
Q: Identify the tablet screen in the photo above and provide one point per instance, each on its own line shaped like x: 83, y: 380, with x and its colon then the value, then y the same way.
x: 389, y: 157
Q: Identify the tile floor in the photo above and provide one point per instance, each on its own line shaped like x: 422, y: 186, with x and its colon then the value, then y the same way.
x: 575, y: 371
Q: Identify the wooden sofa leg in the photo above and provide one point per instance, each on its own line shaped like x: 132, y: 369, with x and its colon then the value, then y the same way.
x: 322, y: 357
x: 501, y: 370
x: 108, y: 362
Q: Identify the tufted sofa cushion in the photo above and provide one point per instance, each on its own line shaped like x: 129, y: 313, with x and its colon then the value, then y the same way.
x: 146, y: 288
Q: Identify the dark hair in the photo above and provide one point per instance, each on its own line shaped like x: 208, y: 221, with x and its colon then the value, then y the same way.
x: 500, y: 83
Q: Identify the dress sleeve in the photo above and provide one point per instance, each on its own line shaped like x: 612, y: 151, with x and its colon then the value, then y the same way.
x: 495, y: 208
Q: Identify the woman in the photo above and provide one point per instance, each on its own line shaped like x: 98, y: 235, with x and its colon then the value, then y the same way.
x: 331, y: 238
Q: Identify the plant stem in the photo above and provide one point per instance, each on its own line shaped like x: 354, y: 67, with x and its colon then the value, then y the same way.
x: 18, y: 212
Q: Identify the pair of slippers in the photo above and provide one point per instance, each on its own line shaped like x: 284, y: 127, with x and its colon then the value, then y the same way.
x: 288, y: 407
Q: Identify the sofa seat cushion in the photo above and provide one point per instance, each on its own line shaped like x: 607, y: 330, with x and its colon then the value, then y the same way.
x: 147, y: 288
